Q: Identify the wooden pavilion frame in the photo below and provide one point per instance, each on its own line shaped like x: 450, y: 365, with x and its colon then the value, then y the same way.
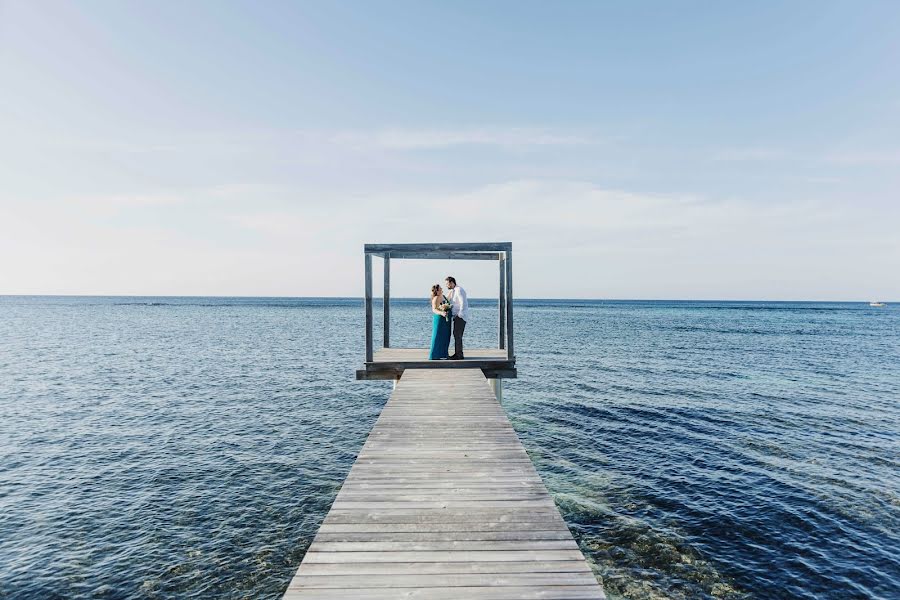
x: 389, y: 363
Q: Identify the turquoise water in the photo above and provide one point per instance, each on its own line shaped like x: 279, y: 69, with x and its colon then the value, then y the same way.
x: 189, y: 447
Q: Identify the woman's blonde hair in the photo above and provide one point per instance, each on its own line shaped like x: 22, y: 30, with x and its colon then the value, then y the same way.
x: 435, y: 289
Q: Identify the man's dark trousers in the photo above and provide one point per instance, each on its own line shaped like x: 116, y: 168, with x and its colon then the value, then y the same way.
x: 459, y: 326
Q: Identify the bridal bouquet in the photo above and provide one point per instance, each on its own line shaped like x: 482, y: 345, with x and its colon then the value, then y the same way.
x: 445, y: 306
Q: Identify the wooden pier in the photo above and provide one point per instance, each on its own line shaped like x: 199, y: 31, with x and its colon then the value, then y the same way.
x: 443, y: 503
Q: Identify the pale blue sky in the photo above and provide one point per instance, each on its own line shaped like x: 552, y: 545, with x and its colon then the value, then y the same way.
x: 629, y: 150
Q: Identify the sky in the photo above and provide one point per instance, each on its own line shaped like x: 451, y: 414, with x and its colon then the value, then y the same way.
x: 672, y: 150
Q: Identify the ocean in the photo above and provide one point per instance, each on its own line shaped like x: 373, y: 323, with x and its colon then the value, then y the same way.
x: 189, y: 447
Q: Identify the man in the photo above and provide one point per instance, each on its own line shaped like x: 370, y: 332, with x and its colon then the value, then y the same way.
x: 459, y: 309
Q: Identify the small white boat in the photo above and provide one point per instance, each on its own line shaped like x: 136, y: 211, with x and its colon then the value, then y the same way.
x: 877, y: 304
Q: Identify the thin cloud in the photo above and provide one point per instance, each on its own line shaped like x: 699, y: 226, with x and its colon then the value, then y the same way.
x: 771, y: 154
x: 751, y: 154
x: 865, y: 158
x: 421, y: 139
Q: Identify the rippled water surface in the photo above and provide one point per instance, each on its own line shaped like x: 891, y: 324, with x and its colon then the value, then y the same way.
x: 190, y: 447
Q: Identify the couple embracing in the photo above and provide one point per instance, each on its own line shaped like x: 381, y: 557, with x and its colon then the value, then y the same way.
x: 452, y: 308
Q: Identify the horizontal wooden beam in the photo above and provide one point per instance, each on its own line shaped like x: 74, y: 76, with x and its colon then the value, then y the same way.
x: 469, y: 363
x: 389, y: 374
x: 501, y: 373
x: 363, y: 375
x: 446, y: 255
x: 458, y: 247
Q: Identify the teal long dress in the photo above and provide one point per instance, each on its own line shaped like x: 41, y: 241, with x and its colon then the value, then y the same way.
x: 440, y: 338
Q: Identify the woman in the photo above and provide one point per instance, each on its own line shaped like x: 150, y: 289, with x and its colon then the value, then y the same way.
x: 440, y: 329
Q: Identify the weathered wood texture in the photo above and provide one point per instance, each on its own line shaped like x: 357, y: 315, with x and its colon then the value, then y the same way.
x: 387, y: 302
x: 445, y: 255
x: 390, y: 363
x: 508, y: 299
x: 438, y: 247
x: 369, y: 320
x: 387, y: 372
x: 501, y: 305
x: 443, y: 503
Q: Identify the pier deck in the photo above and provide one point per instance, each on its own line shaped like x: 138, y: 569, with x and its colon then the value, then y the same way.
x: 390, y: 363
x: 443, y: 503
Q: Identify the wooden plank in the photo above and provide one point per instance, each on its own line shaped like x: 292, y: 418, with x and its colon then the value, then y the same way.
x: 442, y: 495
x: 313, y: 556
x: 555, y: 592
x: 447, y: 504
x: 468, y: 517
x: 441, y: 536
x: 443, y: 531
x: 555, y: 566
x: 362, y: 484
x: 439, y: 546
x: 443, y: 502
x: 394, y: 580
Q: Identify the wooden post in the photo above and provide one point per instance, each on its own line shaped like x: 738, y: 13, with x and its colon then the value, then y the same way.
x: 369, y: 351
x: 497, y: 388
x: 387, y: 300
x: 501, y: 306
x: 510, y: 354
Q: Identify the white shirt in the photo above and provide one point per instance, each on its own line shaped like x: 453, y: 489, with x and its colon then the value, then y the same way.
x: 459, y: 303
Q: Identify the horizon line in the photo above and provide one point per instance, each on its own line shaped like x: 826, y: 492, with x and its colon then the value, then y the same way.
x: 378, y: 299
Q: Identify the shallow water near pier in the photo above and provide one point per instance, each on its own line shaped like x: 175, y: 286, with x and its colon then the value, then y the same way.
x: 190, y: 447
